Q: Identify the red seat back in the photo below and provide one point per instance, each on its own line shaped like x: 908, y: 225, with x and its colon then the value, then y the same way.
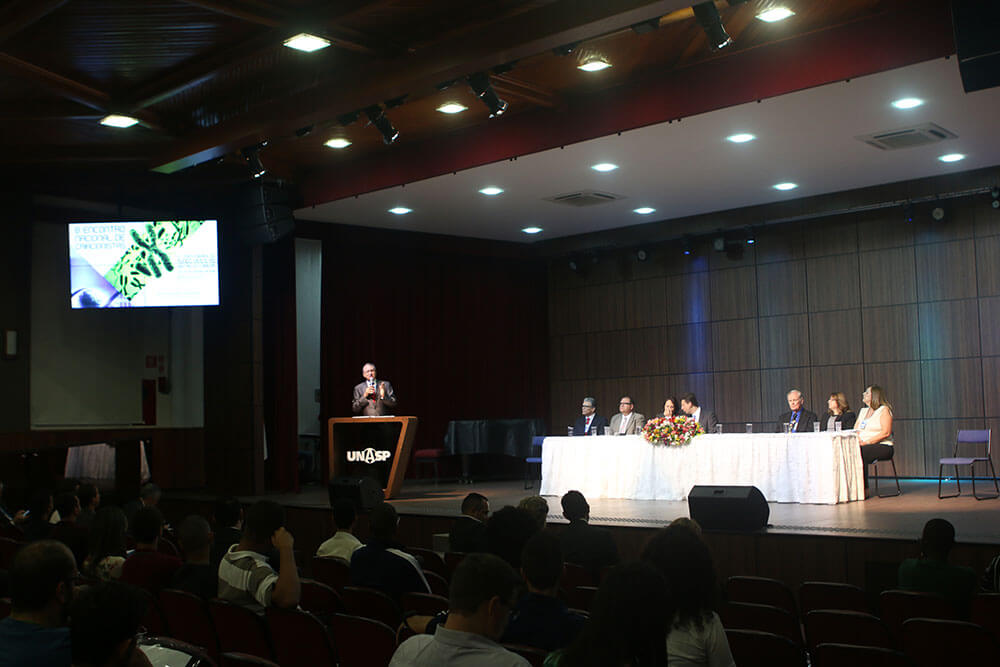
x: 452, y: 559
x: 829, y: 595
x: 8, y: 547
x: 196, y: 656
x: 362, y: 642
x: 847, y: 655
x: 895, y: 607
x: 535, y: 656
x: 373, y: 604
x: 581, y: 597
x: 761, y: 590
x: 320, y: 599
x: 299, y: 638
x: 438, y: 584
x: 934, y: 642
x: 986, y: 613
x: 430, y: 560
x: 425, y: 604
x: 751, y: 648
x: 234, y: 659
x: 333, y: 572
x: 832, y: 626
x: 575, y: 575
x: 240, y: 630
x: 188, y: 619
x: 761, y: 617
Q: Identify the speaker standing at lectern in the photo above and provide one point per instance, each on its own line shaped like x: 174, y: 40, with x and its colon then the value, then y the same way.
x: 373, y: 398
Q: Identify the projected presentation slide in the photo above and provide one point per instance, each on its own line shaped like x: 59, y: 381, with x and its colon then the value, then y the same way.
x: 144, y: 264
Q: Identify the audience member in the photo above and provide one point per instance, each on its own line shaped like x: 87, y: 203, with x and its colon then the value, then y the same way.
x: 196, y: 575
x: 583, y: 544
x: 468, y: 534
x: 105, y: 625
x: 107, y: 544
x: 538, y: 507
x: 483, y: 592
x: 37, y: 526
x: 9, y: 517
x: 41, y: 589
x: 696, y: 637
x: 931, y: 573
x: 540, y: 618
x: 382, y: 563
x: 628, y: 624
x: 67, y: 530
x: 90, y: 500
x: 147, y: 567
x: 690, y: 524
x: 343, y: 544
x: 228, y: 527
x: 990, y: 582
x: 149, y: 496
x: 67, y: 485
x: 245, y: 576
x: 507, y: 531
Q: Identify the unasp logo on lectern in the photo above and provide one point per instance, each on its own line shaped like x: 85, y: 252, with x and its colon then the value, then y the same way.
x: 369, y: 455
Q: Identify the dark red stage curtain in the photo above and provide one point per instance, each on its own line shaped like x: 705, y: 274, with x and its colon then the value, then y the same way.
x: 461, y: 333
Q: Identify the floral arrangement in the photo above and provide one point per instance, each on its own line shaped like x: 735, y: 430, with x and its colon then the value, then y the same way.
x: 672, y: 431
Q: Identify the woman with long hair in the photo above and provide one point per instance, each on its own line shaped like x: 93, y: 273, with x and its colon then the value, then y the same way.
x: 874, y: 426
x: 839, y: 410
x: 671, y: 407
x: 107, y: 544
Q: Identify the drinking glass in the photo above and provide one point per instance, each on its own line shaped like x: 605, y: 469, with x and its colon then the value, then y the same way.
x: 749, y: 428
x: 837, y: 426
x: 569, y: 430
x: 787, y: 426
x: 607, y: 430
x: 718, y: 429
x: 816, y: 427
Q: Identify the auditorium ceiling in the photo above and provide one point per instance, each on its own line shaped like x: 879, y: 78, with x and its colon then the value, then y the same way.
x: 212, y: 85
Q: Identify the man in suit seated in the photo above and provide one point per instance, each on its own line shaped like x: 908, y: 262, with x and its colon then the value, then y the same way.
x: 468, y: 534
x: 704, y: 416
x: 589, y: 423
x: 798, y: 418
x: 583, y: 544
x: 627, y: 422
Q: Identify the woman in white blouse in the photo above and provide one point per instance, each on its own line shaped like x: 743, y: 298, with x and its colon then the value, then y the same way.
x: 874, y: 426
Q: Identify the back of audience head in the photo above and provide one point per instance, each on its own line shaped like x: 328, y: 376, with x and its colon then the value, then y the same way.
x: 485, y: 587
x: 107, y: 535
x: 383, y: 521
x: 228, y: 512
x: 685, y: 562
x: 195, y: 536
x: 150, y: 494
x: 344, y: 514
x: 68, y: 506
x: 40, y: 505
x: 575, y: 506
x: 477, y: 506
x: 542, y: 563
x: 538, y: 507
x: 41, y: 580
x: 105, y: 620
x: 147, y: 525
x: 628, y: 622
x: 89, y: 496
x: 688, y: 523
x: 937, y: 539
x: 263, y: 519
x: 507, y: 531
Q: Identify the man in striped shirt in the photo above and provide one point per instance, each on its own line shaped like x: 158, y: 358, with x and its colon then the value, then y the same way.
x: 246, y: 577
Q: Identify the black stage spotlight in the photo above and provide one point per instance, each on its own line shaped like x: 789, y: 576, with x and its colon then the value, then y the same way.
x: 751, y: 238
x: 995, y: 193
x: 711, y: 23
x: 377, y: 118
x: 252, y: 157
x: 347, y: 118
x: 687, y: 246
x: 480, y: 83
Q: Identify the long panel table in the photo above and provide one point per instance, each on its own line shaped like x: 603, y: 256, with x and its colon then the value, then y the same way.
x: 822, y: 467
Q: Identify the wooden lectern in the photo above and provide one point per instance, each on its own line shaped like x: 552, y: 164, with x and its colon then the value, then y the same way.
x: 400, y: 457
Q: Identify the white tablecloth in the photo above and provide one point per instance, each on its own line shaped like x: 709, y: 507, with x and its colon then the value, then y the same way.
x: 820, y: 467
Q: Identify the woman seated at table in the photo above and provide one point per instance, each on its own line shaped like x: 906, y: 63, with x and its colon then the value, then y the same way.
x: 670, y: 408
x: 874, y: 425
x: 838, y: 411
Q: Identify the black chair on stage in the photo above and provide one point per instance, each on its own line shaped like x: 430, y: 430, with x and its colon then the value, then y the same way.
x: 887, y: 457
x: 969, y: 440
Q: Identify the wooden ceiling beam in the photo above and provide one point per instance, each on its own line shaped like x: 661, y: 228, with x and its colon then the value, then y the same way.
x: 507, y: 85
x: 19, y: 14
x: 27, y: 112
x: 252, y: 12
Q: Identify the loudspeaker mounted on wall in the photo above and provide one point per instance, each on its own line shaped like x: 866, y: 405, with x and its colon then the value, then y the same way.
x: 737, y: 508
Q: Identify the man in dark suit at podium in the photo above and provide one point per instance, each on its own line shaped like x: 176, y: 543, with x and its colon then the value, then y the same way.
x: 373, y: 398
x: 799, y: 419
x: 589, y: 423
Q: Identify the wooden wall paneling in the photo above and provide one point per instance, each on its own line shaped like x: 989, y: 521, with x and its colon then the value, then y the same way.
x: 986, y: 219
x: 645, y: 351
x: 833, y: 282
x: 654, y: 266
x: 784, y: 341
x: 646, y: 303
x: 779, y: 243
x: 991, y: 389
x: 775, y: 385
x: 949, y: 329
x: 946, y: 271
x: 830, y: 237
x: 689, y: 348
x: 989, y: 325
x: 576, y: 364
x: 689, y: 297
x: 661, y: 389
x: 959, y: 222
x: 994, y: 426
x: 646, y: 396
x: 737, y: 397
x: 606, y: 353
x: 834, y: 337
x: 865, y: 558
x: 888, y: 277
x: 890, y: 333
x: 608, y: 392
x: 818, y: 559
x: 828, y: 379
x: 886, y: 228
x: 718, y: 261
x: 556, y: 371
x: 734, y: 554
x: 781, y: 288
x: 603, y: 308
x: 735, y: 345
x: 988, y: 265
x: 734, y: 293
x: 939, y: 442
x: 677, y: 263
x: 952, y: 388
x: 908, y: 436
x: 566, y: 308
x: 902, y: 384
x: 562, y: 399
x: 700, y: 384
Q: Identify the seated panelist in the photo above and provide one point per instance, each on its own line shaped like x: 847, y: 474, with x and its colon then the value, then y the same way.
x: 799, y: 419
x: 589, y: 423
x: 627, y: 421
x: 839, y: 411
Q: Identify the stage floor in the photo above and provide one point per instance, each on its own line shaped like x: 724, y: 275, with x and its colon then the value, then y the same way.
x: 902, y: 517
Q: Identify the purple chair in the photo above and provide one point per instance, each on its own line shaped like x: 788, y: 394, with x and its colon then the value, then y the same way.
x: 969, y: 441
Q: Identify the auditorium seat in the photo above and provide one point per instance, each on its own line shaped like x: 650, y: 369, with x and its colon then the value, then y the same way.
x: 438, y: 584
x: 234, y: 659
x: 370, y: 603
x: 580, y: 597
x: 751, y: 648
x: 8, y: 547
x: 425, y: 604
x: 362, y: 642
x: 320, y: 599
x: 834, y: 626
x: 896, y: 606
x: 848, y: 655
x: 240, y: 630
x: 189, y: 621
x: 300, y: 638
x: 535, y: 656
x: 761, y: 590
x: 575, y: 575
x: 195, y: 654
x: 429, y: 560
x: 935, y: 642
x: 761, y: 617
x: 829, y: 595
x: 986, y: 612
x: 334, y: 572
x: 452, y: 559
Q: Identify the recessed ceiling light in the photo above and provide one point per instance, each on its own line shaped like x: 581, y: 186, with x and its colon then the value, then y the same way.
x: 531, y: 230
x: 952, y: 157
x: 337, y: 142
x: 400, y: 210
x: 740, y: 138
x: 785, y: 186
x: 594, y: 65
x: 644, y: 210
x: 604, y: 166
x: 907, y: 103
x: 452, y: 107
x: 306, y: 42
x: 115, y: 120
x: 775, y: 14
x: 491, y: 191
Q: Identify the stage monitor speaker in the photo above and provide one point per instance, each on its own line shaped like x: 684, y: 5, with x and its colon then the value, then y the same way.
x: 977, y: 42
x: 364, y: 491
x: 741, y: 508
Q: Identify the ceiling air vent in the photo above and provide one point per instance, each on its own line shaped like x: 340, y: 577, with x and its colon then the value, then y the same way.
x: 584, y: 198
x: 908, y: 137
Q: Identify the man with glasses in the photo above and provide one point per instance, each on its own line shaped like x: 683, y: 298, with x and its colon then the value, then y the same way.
x: 627, y: 421
x: 589, y: 423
